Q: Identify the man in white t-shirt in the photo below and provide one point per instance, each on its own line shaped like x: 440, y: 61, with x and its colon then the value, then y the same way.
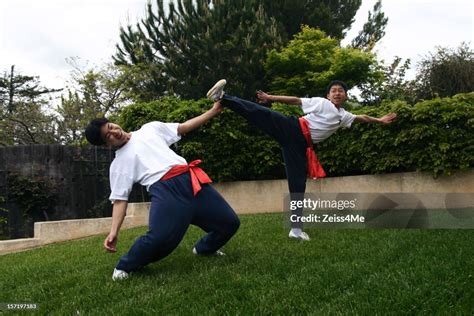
x: 324, y: 116
x: 180, y: 192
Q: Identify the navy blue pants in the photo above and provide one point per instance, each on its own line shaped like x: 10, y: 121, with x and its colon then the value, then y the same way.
x: 287, y: 132
x: 173, y: 208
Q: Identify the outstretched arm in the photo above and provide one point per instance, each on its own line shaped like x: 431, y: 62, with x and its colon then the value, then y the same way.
x: 197, y: 121
x: 265, y: 97
x: 118, y: 214
x: 386, y: 119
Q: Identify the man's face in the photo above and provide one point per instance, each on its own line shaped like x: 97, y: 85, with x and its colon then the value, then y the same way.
x: 337, y: 95
x: 113, y: 135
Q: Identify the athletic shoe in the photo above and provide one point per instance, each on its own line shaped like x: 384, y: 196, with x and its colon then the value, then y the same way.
x: 301, y: 236
x: 119, y: 275
x: 217, y: 91
x: 217, y: 253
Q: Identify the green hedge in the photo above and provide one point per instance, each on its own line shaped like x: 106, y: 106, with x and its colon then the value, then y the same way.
x: 230, y: 148
x: 435, y: 136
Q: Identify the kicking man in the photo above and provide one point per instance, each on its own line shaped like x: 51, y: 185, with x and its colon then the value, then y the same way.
x: 324, y: 116
x: 180, y: 192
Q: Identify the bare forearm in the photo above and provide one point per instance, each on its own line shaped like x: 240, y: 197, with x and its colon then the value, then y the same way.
x: 367, y: 119
x: 285, y: 99
x: 118, y: 215
x: 386, y: 119
x: 197, y: 121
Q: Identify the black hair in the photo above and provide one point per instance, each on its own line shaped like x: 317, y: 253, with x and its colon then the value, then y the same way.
x: 93, y: 131
x: 336, y: 83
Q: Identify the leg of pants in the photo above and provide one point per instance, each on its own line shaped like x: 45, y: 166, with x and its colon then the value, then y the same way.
x: 295, y: 167
x: 173, y: 208
x: 171, y: 212
x: 215, y: 216
x: 285, y: 130
x: 273, y: 123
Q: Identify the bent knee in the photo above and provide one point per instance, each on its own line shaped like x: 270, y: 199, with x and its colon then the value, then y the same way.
x: 234, y: 225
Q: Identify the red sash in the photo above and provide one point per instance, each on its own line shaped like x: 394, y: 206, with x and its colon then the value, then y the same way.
x: 315, y: 170
x: 198, y: 175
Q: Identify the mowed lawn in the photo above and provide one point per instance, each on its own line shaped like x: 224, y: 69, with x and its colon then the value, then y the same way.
x: 264, y: 272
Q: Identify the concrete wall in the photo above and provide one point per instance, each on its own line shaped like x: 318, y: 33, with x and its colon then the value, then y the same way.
x: 57, y: 231
x: 249, y: 197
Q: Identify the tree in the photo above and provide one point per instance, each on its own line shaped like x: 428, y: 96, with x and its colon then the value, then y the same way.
x: 94, y: 92
x: 446, y: 73
x: 72, y: 120
x: 187, y: 49
x: 373, y: 30
x: 311, y: 60
x: 27, y: 125
x: 22, y: 110
x: 332, y: 17
x: 388, y: 83
x: 184, y: 50
x: 16, y: 88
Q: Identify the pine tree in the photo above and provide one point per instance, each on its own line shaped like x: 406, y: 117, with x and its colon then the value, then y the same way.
x: 183, y: 50
x: 16, y: 88
x: 331, y: 16
x: 187, y: 49
x: 22, y: 117
x: 373, y: 30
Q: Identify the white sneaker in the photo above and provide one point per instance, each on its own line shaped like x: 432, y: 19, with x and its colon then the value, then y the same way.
x: 119, y: 275
x: 217, y: 253
x: 217, y: 91
x: 301, y: 235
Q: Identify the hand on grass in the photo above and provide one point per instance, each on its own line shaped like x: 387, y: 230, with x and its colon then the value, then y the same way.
x: 110, y: 243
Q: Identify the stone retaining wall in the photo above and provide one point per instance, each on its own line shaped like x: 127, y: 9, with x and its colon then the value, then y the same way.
x: 249, y: 197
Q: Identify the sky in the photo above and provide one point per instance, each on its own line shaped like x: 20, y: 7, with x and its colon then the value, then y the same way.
x: 38, y: 36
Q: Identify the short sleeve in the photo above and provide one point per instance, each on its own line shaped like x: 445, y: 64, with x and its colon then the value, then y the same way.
x: 120, y: 186
x: 167, y: 131
x: 310, y: 105
x: 347, y: 118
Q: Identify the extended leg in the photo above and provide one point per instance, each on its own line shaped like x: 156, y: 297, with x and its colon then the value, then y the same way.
x: 273, y: 123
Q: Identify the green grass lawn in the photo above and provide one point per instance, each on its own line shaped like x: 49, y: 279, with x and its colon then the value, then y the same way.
x: 264, y: 272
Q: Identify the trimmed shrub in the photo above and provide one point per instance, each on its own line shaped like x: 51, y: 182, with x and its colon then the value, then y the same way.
x: 229, y: 147
x: 435, y: 135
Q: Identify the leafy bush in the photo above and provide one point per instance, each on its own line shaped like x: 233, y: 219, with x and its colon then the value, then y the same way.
x: 311, y: 60
x: 229, y: 147
x: 435, y: 135
x: 35, y: 197
x: 3, y: 219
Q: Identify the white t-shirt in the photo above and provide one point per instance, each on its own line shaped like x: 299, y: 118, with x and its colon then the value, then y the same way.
x: 324, y: 118
x: 145, y: 158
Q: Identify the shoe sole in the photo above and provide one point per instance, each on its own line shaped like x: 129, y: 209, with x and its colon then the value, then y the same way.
x: 219, y: 84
